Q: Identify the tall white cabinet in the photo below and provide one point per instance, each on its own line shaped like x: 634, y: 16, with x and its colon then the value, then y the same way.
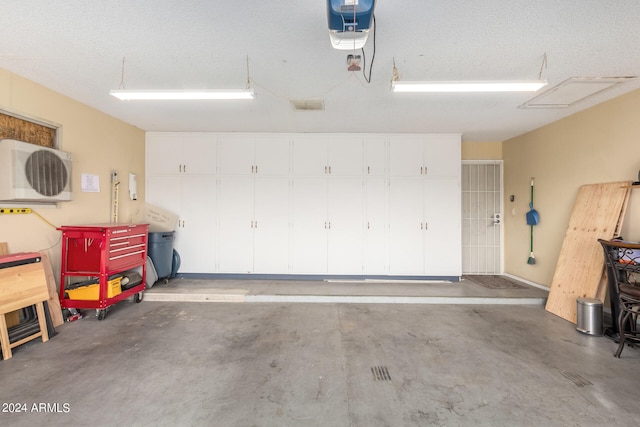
x: 311, y: 204
x: 253, y: 200
x: 183, y: 182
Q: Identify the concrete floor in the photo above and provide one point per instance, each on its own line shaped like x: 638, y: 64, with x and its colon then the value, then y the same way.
x: 184, y: 363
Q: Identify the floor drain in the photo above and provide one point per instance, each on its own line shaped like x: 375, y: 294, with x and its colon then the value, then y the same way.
x: 380, y: 373
x: 576, y: 378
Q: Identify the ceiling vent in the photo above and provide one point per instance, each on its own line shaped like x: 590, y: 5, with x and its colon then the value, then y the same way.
x: 32, y: 173
x: 574, y: 90
x: 307, y: 104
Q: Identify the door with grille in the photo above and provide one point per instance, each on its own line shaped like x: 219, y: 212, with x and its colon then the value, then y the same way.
x: 482, y: 217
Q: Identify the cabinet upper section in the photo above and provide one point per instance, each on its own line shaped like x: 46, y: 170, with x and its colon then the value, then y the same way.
x: 331, y: 155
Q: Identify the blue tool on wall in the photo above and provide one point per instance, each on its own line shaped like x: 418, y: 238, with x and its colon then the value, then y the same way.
x: 349, y: 22
x: 532, y: 219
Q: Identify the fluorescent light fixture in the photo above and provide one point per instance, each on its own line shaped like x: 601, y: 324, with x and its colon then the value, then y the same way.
x: 573, y: 90
x: 469, y: 86
x: 131, y: 95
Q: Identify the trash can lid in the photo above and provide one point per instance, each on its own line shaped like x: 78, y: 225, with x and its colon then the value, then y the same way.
x: 589, y: 301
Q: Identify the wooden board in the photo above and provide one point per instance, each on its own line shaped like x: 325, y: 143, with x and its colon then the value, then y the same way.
x: 597, y: 214
x: 54, y: 300
x: 13, y: 318
x: 22, y: 286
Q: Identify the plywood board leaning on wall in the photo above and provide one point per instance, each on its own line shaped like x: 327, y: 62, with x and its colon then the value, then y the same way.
x: 55, y: 311
x: 597, y: 214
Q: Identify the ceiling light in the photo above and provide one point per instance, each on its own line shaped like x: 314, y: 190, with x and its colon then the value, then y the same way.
x: 573, y: 90
x: 130, y: 95
x: 469, y: 86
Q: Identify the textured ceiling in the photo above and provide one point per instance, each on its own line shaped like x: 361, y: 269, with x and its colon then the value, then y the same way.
x: 75, y: 47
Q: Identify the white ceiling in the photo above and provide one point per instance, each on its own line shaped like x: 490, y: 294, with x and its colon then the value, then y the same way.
x: 76, y: 47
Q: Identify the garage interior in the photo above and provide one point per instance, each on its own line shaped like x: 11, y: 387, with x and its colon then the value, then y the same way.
x: 423, y: 298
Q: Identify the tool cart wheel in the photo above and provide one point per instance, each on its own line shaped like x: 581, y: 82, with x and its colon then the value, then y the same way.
x: 101, y: 314
x: 137, y: 297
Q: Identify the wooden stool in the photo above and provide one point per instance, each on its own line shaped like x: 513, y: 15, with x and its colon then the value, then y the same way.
x: 22, y: 286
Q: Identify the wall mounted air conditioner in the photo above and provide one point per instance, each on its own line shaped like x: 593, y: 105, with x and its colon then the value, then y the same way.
x: 32, y: 173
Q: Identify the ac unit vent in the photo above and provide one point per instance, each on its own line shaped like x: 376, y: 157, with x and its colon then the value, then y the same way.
x: 31, y: 173
x: 46, y: 173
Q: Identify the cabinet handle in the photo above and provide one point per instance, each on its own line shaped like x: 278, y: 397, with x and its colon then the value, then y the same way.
x: 184, y: 168
x: 329, y: 172
x: 425, y: 170
x: 329, y: 225
x: 368, y: 169
x: 251, y: 168
x: 325, y: 169
x: 426, y: 225
x: 368, y: 225
x: 256, y: 168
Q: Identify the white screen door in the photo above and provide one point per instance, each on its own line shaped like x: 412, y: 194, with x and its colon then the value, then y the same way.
x: 482, y: 217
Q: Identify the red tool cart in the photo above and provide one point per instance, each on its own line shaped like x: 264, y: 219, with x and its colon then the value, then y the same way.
x: 99, y: 253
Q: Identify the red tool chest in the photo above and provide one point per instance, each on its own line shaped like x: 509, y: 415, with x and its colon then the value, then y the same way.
x: 100, y: 251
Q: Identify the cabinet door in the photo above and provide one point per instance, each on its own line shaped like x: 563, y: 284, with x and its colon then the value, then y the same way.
x: 235, y: 224
x: 345, y: 155
x: 196, y: 236
x: 165, y: 192
x: 163, y: 153
x: 406, y: 233
x: 442, y: 156
x: 443, y: 241
x: 236, y: 156
x: 406, y: 156
x: 375, y: 226
x: 199, y: 153
x: 271, y: 252
x: 272, y: 156
x: 309, y: 226
x: 346, y: 226
x: 309, y: 156
x: 375, y: 157
x: 180, y: 153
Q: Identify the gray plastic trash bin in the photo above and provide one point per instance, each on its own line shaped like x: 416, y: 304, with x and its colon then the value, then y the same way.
x: 161, y: 252
x: 589, y: 313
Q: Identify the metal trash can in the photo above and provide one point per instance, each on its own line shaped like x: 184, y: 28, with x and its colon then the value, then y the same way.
x: 589, y: 312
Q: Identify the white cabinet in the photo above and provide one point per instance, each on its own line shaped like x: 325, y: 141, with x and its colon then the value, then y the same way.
x: 328, y: 203
x: 424, y: 227
x: 180, y: 171
x: 309, y: 225
x: 329, y: 154
x: 253, y: 200
x: 425, y: 155
x: 443, y: 236
x: 316, y: 204
x: 375, y: 225
x: 175, y: 153
x: 193, y: 199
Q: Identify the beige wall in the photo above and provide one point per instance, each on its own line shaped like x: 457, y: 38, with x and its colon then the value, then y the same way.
x: 98, y: 143
x: 482, y: 150
x: 597, y: 145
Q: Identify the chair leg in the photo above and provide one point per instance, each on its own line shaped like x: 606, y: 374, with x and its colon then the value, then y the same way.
x: 623, y: 319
